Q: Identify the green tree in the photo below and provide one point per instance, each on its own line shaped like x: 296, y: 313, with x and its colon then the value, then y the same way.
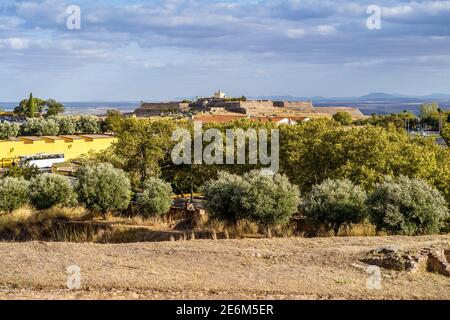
x: 407, y: 206
x: 343, y: 118
x: 67, y: 125
x: 39, y: 127
x: 31, y: 108
x: 143, y: 144
x: 88, y: 125
x: 429, y: 110
x: 335, y: 203
x: 267, y: 200
x: 445, y: 133
x: 53, y: 107
x: 156, y: 198
x: 112, y: 121
x: 8, y: 130
x: 26, y: 172
x: 270, y: 200
x: 48, y: 190
x: 13, y: 193
x: 103, y: 188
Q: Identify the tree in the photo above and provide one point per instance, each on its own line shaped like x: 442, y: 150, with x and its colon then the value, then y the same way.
x: 26, y: 172
x: 48, y: 190
x: 429, y: 110
x: 446, y: 133
x: 39, y: 127
x: 267, y: 200
x: 67, y: 125
x: 103, y: 188
x: 13, y: 193
x: 113, y: 121
x: 88, y: 124
x: 407, y: 206
x: 343, y: 118
x: 143, y: 144
x: 335, y: 203
x: 270, y: 200
x: 223, y: 197
x: 8, y: 130
x: 53, y: 107
x: 31, y: 108
x: 156, y: 198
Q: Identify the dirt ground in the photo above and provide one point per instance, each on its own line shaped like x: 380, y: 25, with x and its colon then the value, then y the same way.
x: 291, y: 268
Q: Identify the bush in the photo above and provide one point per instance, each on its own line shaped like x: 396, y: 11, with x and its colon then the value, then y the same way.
x: 48, y: 190
x: 335, y: 203
x: 103, y: 188
x: 223, y: 197
x: 267, y: 200
x: 8, y: 130
x: 270, y: 200
x: 13, y: 193
x: 156, y: 198
x: 88, y: 124
x: 67, y: 125
x: 39, y: 127
x: 343, y: 118
x: 407, y: 206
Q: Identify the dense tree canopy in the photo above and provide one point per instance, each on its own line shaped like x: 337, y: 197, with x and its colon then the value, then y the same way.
x: 48, y: 190
x: 407, y: 206
x: 103, y: 188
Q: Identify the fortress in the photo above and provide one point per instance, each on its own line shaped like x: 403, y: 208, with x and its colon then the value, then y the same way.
x: 219, y: 104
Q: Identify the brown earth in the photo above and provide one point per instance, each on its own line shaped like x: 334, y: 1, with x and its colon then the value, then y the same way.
x: 290, y: 268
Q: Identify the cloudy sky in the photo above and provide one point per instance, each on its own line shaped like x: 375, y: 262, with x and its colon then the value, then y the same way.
x: 162, y: 49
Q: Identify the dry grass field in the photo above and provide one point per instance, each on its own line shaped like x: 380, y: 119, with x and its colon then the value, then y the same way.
x: 288, y: 268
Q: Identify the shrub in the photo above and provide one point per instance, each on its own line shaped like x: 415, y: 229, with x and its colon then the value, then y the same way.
x: 267, y: 200
x: 270, y: 200
x: 407, y: 206
x: 223, y: 197
x: 343, y: 118
x: 67, y: 125
x: 335, y: 203
x: 8, y: 130
x: 103, y: 188
x: 156, y: 198
x: 39, y: 127
x: 88, y: 124
x: 13, y: 193
x: 48, y: 190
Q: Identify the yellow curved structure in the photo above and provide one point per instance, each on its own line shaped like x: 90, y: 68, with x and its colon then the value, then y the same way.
x: 72, y: 146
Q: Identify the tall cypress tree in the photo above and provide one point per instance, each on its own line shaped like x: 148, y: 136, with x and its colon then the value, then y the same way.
x: 31, y: 109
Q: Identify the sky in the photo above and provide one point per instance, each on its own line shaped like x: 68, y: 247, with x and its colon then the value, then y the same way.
x: 163, y: 49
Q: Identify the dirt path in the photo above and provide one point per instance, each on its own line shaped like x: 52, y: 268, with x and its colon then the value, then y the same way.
x: 296, y: 268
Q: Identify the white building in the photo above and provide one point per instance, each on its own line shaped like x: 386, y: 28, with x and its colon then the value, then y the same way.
x: 219, y: 95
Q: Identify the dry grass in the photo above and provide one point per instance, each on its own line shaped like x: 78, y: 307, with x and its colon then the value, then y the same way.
x: 294, y: 268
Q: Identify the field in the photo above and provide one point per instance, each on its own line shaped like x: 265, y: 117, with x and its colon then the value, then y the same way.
x: 287, y: 268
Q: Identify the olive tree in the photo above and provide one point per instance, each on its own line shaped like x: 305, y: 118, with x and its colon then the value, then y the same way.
x: 88, y: 124
x: 223, y: 197
x: 13, y: 193
x: 267, y: 200
x: 156, y: 197
x: 103, y: 188
x: 48, y: 190
x: 407, y: 206
x: 335, y: 203
x: 8, y: 130
x: 270, y: 200
x: 67, y: 125
x: 40, y: 127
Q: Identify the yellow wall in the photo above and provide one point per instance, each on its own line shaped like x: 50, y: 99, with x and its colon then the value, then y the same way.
x: 70, y: 148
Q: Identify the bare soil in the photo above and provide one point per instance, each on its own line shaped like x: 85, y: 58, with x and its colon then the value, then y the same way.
x: 289, y: 268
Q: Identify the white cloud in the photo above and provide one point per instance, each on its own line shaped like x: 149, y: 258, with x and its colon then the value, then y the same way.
x: 15, y: 43
x: 295, y: 33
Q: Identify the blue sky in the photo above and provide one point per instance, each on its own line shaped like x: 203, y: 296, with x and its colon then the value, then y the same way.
x: 162, y: 49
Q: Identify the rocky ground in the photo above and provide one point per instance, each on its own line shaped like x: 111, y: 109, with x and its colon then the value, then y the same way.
x: 294, y: 268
